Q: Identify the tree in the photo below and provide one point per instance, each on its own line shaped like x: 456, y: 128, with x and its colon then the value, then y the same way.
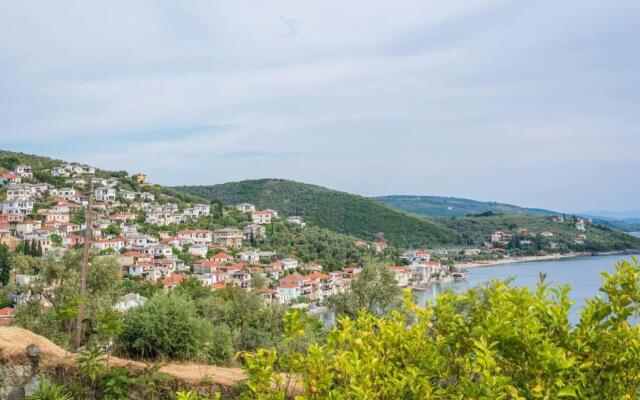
x: 5, y: 265
x: 57, y: 283
x: 166, y: 326
x: 375, y: 290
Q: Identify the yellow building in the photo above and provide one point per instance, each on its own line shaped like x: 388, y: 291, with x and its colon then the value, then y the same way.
x: 140, y: 178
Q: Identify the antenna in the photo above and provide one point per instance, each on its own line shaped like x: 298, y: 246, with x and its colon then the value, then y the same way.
x: 85, y: 270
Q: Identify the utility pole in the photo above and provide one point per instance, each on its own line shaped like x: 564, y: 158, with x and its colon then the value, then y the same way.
x: 85, y: 269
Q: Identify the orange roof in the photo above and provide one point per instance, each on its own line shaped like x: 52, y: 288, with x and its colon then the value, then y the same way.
x: 221, y: 255
x: 173, y: 280
x: 287, y: 285
x: 317, y: 275
x: 7, y: 312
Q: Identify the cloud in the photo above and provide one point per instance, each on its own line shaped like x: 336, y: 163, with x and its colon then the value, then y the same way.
x: 488, y: 99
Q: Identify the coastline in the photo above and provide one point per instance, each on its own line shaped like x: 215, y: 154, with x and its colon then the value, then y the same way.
x: 550, y: 257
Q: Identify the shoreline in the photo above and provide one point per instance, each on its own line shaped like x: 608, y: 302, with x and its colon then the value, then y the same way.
x: 550, y: 257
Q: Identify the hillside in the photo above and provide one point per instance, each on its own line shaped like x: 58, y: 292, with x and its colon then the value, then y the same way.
x: 339, y: 211
x: 438, y: 206
x: 476, y: 230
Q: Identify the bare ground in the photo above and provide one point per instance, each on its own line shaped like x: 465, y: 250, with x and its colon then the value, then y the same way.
x: 13, y: 342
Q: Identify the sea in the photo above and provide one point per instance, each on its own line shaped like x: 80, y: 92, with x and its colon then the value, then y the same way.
x: 581, y: 273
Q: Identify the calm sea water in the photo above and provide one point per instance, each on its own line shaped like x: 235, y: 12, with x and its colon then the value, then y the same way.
x: 582, y: 273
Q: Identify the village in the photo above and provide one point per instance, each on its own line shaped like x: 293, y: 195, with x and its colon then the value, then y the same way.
x: 47, y: 219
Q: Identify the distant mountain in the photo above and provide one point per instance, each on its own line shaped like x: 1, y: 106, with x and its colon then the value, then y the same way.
x: 629, y: 215
x: 339, y: 211
x: 437, y: 206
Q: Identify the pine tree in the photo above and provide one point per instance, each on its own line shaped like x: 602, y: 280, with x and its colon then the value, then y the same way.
x: 5, y: 266
x: 33, y: 251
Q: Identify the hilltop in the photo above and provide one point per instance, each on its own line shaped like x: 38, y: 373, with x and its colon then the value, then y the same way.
x: 440, y: 206
x: 339, y: 211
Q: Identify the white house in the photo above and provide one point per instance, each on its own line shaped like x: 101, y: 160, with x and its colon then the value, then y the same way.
x: 23, y: 170
x: 60, y: 171
x: 296, y: 220
x: 245, y: 207
x: 129, y: 301
x: 289, y: 263
x: 105, y: 194
x: 195, y: 236
x: 255, y: 230
x: 127, y: 194
x: 198, y: 210
x: 250, y: 257
x: 261, y: 217
x: 19, y: 205
x: 198, y: 250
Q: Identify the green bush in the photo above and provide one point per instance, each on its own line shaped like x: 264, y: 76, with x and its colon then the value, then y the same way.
x: 495, y: 342
x: 165, y: 326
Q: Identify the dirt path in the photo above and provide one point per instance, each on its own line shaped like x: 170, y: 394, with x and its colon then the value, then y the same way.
x: 13, y: 342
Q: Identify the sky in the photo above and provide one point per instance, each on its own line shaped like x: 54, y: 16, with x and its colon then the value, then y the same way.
x: 532, y: 103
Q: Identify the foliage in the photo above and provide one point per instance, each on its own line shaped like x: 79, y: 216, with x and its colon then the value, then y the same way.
x: 165, y: 327
x: 49, y: 391
x: 57, y: 283
x: 341, y: 212
x: 332, y: 250
x: 475, y: 231
x: 375, y: 290
x: 5, y: 265
x: 493, y: 342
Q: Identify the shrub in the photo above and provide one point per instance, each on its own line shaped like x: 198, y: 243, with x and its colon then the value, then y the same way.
x: 495, y: 342
x: 165, y: 326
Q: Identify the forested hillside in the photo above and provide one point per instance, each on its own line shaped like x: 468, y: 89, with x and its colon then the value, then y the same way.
x: 438, y: 206
x: 342, y: 212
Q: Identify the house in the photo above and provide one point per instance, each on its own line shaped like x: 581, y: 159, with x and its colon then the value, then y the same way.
x: 228, y: 237
x: 127, y: 194
x: 379, y: 247
x: 140, y: 178
x: 19, y: 205
x: 53, y: 217
x: 245, y: 207
x: 129, y: 301
x: 254, y: 230
x: 250, y: 257
x: 546, y: 234
x: 195, y: 236
x: 222, y: 258
x: 106, y: 244
x: 23, y: 170
x: 261, y: 217
x: 60, y: 171
x: 8, y: 240
x: 198, y: 250
x: 288, y: 263
x: 286, y: 292
x: 580, y: 239
x: 198, y: 210
x: 580, y: 225
x: 105, y: 194
x: 146, y: 196
x: 7, y: 315
x: 173, y: 280
x: 296, y: 220
x: 10, y: 178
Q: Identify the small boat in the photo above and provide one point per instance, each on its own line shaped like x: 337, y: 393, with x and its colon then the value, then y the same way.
x: 460, y: 274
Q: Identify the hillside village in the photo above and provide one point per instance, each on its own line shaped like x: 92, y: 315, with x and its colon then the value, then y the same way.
x: 139, y: 227
x: 162, y: 238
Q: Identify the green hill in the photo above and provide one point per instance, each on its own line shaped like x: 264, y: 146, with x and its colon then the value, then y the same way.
x: 475, y: 230
x: 437, y: 206
x: 326, y: 208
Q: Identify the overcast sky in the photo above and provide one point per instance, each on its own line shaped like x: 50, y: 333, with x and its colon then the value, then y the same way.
x: 534, y: 103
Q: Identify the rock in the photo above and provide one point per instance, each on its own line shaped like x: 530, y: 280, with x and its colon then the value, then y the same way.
x: 33, y: 351
x: 32, y: 386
